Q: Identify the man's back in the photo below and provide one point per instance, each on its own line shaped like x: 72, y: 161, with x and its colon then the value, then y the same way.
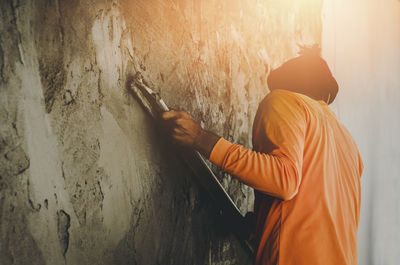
x: 319, y: 224
x: 305, y: 168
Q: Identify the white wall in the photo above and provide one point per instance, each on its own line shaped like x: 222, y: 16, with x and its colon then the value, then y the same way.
x: 361, y: 42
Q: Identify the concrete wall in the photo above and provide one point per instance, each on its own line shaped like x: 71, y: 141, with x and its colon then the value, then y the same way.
x: 361, y: 41
x: 84, y: 176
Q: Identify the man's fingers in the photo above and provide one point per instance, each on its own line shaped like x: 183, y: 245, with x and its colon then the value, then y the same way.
x: 179, y: 139
x: 185, y: 115
x: 177, y: 131
x: 168, y: 115
x: 180, y: 122
x: 171, y: 126
x: 180, y: 126
x: 175, y: 114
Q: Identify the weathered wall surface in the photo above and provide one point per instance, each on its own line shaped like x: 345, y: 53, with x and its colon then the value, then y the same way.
x: 84, y: 177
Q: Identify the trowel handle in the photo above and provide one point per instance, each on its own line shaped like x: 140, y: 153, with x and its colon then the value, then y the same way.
x: 160, y: 102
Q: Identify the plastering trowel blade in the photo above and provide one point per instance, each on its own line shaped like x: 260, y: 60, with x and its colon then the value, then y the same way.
x: 149, y: 99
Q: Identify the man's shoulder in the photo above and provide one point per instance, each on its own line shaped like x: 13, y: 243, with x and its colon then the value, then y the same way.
x: 282, y: 94
x: 283, y: 98
x: 282, y: 105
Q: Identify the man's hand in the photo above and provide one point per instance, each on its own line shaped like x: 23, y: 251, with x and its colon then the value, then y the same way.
x: 186, y: 131
x: 181, y: 126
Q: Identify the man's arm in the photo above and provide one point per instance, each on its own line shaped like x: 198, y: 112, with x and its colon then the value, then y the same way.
x: 277, y: 173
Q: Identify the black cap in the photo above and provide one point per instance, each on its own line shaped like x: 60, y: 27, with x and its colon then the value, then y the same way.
x: 307, y: 74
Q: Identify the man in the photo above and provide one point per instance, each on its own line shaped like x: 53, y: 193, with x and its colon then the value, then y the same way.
x: 305, y: 167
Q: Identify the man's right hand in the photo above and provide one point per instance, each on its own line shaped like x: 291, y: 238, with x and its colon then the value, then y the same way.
x: 185, y: 131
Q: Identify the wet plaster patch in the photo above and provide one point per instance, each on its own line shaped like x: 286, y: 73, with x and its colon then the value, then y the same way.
x: 45, y: 175
x: 121, y: 178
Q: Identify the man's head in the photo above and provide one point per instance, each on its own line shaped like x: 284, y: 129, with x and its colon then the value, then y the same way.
x: 307, y: 74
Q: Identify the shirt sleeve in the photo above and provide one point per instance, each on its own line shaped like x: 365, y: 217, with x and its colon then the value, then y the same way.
x: 278, y: 173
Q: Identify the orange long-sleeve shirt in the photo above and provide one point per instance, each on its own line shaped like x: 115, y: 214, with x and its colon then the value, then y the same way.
x: 305, y: 169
